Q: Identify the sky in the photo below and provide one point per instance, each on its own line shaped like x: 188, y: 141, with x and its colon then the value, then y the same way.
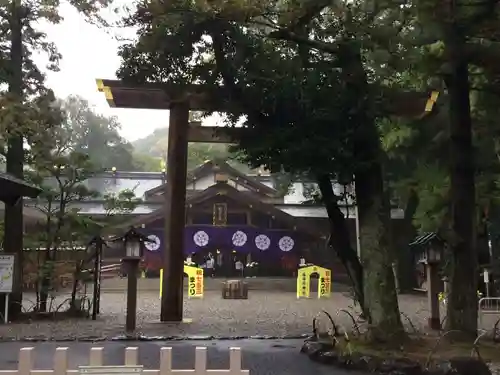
x: 89, y: 53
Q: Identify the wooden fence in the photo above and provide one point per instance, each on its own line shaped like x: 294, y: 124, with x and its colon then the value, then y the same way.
x: 131, y: 366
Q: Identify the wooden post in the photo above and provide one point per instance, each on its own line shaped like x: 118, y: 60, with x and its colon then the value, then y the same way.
x: 132, y: 266
x: 434, y: 320
x: 99, y: 280
x: 175, y: 211
x: 96, y: 295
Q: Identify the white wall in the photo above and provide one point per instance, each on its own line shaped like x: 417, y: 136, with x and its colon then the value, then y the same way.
x: 296, y: 193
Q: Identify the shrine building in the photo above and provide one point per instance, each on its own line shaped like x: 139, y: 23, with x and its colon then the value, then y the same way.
x: 230, y: 217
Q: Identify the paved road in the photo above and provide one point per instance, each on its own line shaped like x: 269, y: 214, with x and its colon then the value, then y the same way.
x: 280, y: 357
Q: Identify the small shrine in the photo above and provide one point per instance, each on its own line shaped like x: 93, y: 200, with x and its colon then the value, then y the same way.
x: 426, y: 249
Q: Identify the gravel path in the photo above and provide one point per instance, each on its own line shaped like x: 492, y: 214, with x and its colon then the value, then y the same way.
x: 264, y: 313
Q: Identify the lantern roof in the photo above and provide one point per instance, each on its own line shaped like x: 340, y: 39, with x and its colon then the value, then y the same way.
x: 426, y: 238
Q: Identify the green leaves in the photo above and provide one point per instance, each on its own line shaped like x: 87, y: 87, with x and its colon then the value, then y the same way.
x: 283, y: 65
x: 33, y: 111
x: 291, y: 107
x: 121, y: 203
x: 96, y: 136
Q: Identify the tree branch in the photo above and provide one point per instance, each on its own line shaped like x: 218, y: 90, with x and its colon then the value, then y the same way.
x: 487, y: 12
x: 483, y: 54
x: 284, y: 34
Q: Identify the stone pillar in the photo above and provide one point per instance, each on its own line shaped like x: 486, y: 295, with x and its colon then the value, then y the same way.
x: 175, y: 201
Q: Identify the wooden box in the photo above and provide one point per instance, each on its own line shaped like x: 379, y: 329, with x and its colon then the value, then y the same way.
x: 234, y: 289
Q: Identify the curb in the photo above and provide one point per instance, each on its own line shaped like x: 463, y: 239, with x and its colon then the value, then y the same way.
x: 140, y: 337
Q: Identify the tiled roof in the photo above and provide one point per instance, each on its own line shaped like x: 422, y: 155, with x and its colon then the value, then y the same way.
x: 12, y: 188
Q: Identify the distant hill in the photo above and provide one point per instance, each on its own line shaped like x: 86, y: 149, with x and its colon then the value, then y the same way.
x: 155, y: 146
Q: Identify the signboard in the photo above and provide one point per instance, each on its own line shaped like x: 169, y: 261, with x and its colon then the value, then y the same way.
x: 486, y: 276
x: 6, y: 273
x: 304, y: 281
x: 303, y: 284
x: 110, y: 370
x: 195, y: 281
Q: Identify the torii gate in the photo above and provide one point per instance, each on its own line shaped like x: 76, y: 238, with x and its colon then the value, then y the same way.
x: 179, y: 101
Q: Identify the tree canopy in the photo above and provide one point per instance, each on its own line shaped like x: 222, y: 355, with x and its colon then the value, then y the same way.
x: 328, y: 90
x: 96, y: 135
x: 27, y: 109
x: 334, y: 87
x: 316, y: 109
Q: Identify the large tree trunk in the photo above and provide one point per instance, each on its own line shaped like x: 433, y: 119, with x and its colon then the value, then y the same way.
x: 373, y: 208
x: 13, y: 233
x: 373, y: 204
x: 376, y: 253
x: 462, y: 299
x: 340, y: 240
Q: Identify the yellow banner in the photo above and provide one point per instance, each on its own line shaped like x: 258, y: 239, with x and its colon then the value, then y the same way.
x: 195, y: 281
x: 304, y: 281
x: 303, y: 284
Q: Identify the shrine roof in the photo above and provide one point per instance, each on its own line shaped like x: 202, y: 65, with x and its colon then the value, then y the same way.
x: 214, y: 166
x: 13, y: 188
x: 223, y: 189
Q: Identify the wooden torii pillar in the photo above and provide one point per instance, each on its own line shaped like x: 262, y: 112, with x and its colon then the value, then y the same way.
x: 180, y: 100
x: 175, y: 214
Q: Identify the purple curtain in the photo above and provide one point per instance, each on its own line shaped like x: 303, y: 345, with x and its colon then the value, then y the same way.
x: 270, y: 243
x: 153, y: 251
x: 240, y: 238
